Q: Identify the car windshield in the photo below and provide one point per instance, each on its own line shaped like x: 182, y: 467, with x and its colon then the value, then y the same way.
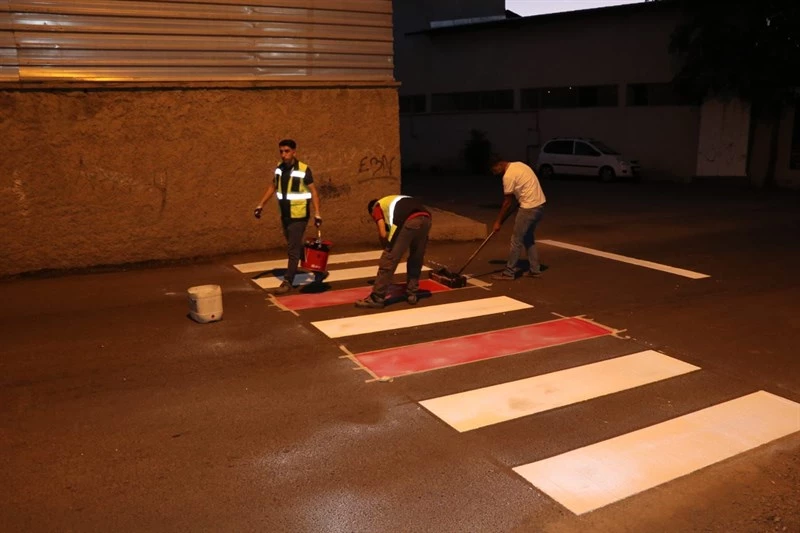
x: 605, y: 149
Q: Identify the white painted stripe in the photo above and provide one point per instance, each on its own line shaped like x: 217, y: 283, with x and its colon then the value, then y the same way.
x: 333, y: 259
x: 624, y: 259
x: 419, y: 316
x: 345, y: 274
x: 588, y: 478
x: 491, y: 405
x: 478, y: 283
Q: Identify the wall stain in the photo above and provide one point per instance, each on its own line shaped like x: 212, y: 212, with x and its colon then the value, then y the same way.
x: 377, y: 178
x: 22, y: 198
x: 327, y: 189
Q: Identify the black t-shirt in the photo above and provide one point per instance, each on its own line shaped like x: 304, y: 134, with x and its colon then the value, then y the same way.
x: 405, y: 207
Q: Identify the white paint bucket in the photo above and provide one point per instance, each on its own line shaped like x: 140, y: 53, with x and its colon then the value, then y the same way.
x: 205, y: 303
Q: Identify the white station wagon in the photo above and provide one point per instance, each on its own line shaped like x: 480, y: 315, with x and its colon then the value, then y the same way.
x: 583, y: 157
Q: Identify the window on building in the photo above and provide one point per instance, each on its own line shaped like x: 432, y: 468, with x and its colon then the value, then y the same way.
x: 529, y: 98
x: 794, y: 153
x: 565, y: 97
x: 556, y: 97
x: 559, y: 147
x: 585, y: 149
x: 473, y: 101
x: 598, y: 96
x: 413, y: 103
x: 641, y: 94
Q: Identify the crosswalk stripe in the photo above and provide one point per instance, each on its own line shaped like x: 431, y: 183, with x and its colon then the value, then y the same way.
x: 344, y: 274
x: 263, y: 266
x: 434, y: 314
x: 624, y: 259
x: 499, y: 403
x: 298, y: 302
x: 594, y: 476
x: 443, y: 353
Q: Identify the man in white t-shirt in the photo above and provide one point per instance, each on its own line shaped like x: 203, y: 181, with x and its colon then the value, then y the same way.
x: 520, y: 182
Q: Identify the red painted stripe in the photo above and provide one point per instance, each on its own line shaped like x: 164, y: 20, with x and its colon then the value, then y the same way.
x: 297, y: 302
x: 404, y: 360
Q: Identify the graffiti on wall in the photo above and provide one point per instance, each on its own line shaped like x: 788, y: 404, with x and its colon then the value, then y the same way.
x: 376, y: 167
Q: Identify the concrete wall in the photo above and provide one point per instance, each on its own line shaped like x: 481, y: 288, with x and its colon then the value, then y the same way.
x: 550, y: 51
x: 115, y: 176
x: 663, y: 138
x: 607, y: 47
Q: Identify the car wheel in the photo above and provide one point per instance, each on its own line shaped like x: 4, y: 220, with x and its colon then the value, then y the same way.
x: 607, y: 174
x: 545, y: 172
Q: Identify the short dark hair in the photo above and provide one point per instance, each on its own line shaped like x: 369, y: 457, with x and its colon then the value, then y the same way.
x: 288, y: 142
x: 494, y: 159
x: 371, y: 205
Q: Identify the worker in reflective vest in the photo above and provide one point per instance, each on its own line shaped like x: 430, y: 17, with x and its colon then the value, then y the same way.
x: 403, y: 225
x: 293, y: 186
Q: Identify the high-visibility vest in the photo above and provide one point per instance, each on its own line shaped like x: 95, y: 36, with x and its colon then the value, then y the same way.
x: 388, y: 204
x: 297, y: 195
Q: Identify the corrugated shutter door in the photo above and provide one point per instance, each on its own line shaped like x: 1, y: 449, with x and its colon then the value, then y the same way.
x: 199, y: 41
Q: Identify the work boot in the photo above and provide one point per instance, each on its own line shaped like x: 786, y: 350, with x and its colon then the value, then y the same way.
x: 533, y: 274
x: 504, y: 276
x: 412, y: 298
x: 284, y: 287
x: 371, y: 302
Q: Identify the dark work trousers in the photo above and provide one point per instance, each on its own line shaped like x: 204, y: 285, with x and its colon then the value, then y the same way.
x: 293, y: 229
x: 413, y: 237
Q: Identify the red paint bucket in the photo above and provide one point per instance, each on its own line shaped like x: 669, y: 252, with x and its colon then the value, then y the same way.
x: 315, y: 256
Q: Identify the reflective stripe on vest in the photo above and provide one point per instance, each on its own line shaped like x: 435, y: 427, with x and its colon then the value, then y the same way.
x: 388, y: 203
x: 298, y: 194
x: 294, y: 196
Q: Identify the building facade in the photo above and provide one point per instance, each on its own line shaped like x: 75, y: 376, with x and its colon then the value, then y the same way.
x: 602, y: 73
x: 139, y: 131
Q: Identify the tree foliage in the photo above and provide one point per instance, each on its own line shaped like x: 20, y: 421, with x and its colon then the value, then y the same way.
x: 477, y: 152
x: 748, y: 49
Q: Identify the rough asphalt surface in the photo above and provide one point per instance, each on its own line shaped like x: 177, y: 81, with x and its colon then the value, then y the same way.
x: 119, y: 413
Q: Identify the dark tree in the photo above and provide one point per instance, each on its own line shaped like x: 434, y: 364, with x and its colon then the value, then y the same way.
x: 477, y: 152
x: 748, y: 49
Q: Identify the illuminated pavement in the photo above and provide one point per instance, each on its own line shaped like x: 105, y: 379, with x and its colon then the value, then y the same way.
x: 609, y: 395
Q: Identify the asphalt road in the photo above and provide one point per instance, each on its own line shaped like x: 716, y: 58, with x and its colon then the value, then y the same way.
x: 117, y: 412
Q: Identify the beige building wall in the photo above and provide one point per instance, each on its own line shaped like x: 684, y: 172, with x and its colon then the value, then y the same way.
x: 109, y: 177
x: 135, y: 132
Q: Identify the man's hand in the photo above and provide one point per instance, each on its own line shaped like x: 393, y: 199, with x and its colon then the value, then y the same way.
x: 317, y: 221
x: 496, y: 226
x: 257, y: 212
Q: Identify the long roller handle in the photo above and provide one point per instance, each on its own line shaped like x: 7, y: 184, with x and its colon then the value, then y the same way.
x: 475, y: 253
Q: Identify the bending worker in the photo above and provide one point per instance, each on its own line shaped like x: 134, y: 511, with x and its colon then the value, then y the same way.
x: 520, y: 181
x: 293, y: 186
x: 403, y: 225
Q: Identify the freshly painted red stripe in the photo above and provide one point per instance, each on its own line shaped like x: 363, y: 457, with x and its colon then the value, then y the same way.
x: 297, y: 302
x: 404, y: 360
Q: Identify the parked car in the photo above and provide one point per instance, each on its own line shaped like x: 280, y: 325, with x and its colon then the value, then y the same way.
x: 584, y: 157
